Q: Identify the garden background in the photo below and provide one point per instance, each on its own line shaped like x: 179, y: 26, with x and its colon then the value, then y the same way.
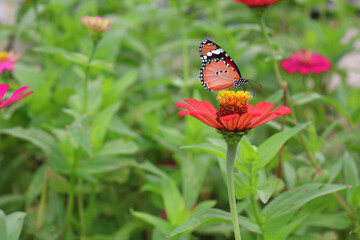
x: 99, y: 152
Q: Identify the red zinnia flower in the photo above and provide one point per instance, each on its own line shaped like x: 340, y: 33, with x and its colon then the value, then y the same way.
x: 306, y: 62
x: 234, y: 113
x: 257, y: 3
x: 15, y: 97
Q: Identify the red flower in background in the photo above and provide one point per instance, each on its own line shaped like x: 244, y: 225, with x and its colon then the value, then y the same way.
x: 257, y: 3
x: 15, y: 97
x: 96, y: 24
x: 234, y: 113
x: 306, y: 62
x: 7, y: 60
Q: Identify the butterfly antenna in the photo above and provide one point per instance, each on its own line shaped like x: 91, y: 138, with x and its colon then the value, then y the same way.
x: 252, y: 88
x: 255, y: 82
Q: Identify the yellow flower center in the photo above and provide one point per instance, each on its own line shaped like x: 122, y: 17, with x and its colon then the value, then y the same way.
x: 232, y: 102
x: 3, y: 56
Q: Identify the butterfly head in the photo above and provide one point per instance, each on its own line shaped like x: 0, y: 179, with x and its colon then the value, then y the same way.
x: 240, y: 82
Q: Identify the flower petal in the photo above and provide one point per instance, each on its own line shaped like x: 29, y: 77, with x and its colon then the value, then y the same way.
x: 18, y: 92
x: 203, y: 117
x: 270, y: 116
x: 201, y: 106
x: 245, y: 119
x: 263, y: 107
x: 3, y: 89
x: 230, y: 121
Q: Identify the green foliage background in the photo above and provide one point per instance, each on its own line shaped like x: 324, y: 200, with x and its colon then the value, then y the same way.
x: 131, y: 158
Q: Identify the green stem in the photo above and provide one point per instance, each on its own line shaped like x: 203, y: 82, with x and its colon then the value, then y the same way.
x: 282, y: 84
x: 273, y: 57
x: 230, y: 161
x: 86, y: 80
x: 71, y: 197
x: 253, y: 202
x: 257, y: 214
x: 185, y: 61
x: 42, y: 202
x: 80, y: 202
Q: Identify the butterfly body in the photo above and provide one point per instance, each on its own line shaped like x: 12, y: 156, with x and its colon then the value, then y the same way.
x: 218, y: 70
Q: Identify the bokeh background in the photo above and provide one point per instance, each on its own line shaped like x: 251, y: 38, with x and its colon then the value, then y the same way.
x: 131, y: 138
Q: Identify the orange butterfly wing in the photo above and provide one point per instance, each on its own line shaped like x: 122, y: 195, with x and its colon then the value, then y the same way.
x: 218, y: 75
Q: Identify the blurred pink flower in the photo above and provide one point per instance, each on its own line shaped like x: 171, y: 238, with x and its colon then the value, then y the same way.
x: 7, y: 60
x: 257, y: 3
x: 306, y: 62
x: 15, y: 97
x: 96, y: 24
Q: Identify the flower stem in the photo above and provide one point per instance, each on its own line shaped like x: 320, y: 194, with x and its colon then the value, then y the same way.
x: 42, y: 202
x: 230, y: 160
x: 86, y: 80
x: 257, y: 214
x: 80, y: 201
x: 273, y: 57
x: 282, y: 84
x: 71, y: 197
x: 185, y: 61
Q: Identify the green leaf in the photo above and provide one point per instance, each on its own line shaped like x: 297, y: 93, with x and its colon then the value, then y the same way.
x: 304, y: 98
x: 80, y: 130
x: 71, y: 56
x: 242, y: 188
x: 76, y: 58
x: 117, y: 147
x: 335, y: 104
x: 338, y: 221
x: 157, y: 222
x: 292, y: 200
x: 351, y: 174
x: 11, y: 225
x: 122, y: 84
x: 282, y: 232
x: 127, y: 229
x: 209, y: 147
x: 14, y: 199
x: 148, y: 166
x: 171, y: 138
x: 271, y: 146
x: 14, y: 223
x: 174, y: 203
x: 211, y: 216
x: 193, y: 171
x: 102, y: 164
x: 315, y: 142
x: 101, y: 64
x: 3, y: 230
x: 265, y: 191
x: 94, y: 98
x: 204, y: 206
x: 276, y: 96
x: 334, y: 170
x: 101, y: 124
x: 247, y: 153
x: 45, y: 142
x: 289, y: 175
x: 36, y: 185
x: 28, y: 18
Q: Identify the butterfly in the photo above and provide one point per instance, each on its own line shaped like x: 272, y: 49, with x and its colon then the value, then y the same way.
x: 218, y: 70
